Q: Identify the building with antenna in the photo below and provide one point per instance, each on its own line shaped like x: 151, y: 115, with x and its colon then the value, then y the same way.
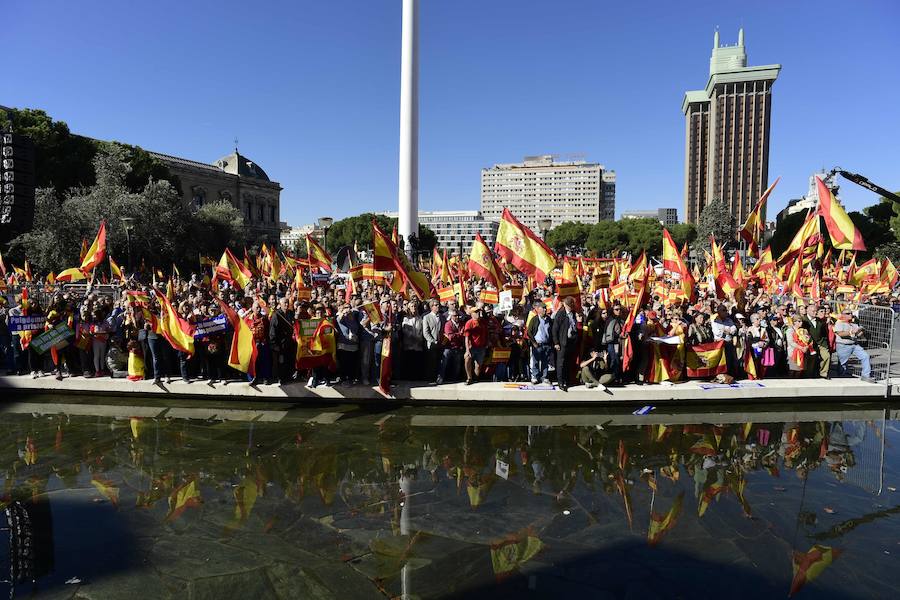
x: 727, y: 133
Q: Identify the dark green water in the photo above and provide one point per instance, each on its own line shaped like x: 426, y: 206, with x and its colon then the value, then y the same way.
x: 425, y: 503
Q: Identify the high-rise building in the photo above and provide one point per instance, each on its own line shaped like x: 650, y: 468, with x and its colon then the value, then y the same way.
x: 727, y: 133
x: 542, y: 187
x: 455, y: 229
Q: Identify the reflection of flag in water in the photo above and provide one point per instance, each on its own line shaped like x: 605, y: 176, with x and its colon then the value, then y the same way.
x: 626, y: 497
x: 137, y: 426
x: 704, y: 446
x: 708, y: 494
x: 245, y: 495
x: 106, y: 489
x: 31, y: 454
x: 661, y: 524
x: 739, y: 488
x: 509, y: 555
x: 183, y: 497
x: 621, y: 455
x: 809, y: 565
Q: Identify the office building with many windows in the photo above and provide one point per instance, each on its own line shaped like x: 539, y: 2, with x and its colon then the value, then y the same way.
x: 665, y: 216
x: 542, y: 187
x: 727, y: 133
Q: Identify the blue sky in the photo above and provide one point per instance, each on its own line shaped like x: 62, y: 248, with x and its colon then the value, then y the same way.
x: 311, y: 88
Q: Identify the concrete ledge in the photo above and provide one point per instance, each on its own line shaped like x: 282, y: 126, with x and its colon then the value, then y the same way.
x: 456, y: 394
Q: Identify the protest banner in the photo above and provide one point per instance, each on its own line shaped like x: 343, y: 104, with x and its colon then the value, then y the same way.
x: 210, y: 326
x: 29, y: 323
x: 57, y: 337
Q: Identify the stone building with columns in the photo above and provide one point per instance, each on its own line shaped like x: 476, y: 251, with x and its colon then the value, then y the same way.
x: 236, y: 179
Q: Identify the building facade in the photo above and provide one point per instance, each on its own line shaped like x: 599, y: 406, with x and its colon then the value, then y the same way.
x: 541, y: 187
x: 236, y: 179
x: 456, y: 229
x: 665, y: 216
x: 727, y: 128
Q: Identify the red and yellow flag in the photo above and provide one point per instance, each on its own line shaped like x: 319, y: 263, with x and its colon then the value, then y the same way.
x: 115, y: 270
x: 242, y: 355
x: 673, y: 261
x: 231, y: 269
x: 753, y: 228
x: 520, y: 247
x: 809, y: 565
x: 389, y: 258
x: 844, y: 234
x: 176, y: 330
x: 69, y: 275
x: 373, y: 310
x: 97, y: 252
x: 482, y: 263
x: 705, y: 361
x: 660, y: 525
x: 183, y: 497
x: 316, y: 255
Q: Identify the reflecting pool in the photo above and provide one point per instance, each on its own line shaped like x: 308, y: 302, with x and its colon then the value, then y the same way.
x: 134, y: 500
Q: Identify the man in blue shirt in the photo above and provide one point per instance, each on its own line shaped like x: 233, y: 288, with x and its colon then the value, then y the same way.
x: 539, y: 338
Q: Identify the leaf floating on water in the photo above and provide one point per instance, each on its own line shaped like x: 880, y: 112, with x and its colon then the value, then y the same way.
x: 829, y: 510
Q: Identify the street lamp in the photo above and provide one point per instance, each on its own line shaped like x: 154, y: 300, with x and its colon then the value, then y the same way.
x: 325, y: 224
x: 544, y: 226
x: 128, y: 223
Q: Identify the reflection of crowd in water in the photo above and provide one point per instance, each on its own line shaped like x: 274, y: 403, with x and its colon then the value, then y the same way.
x: 305, y: 460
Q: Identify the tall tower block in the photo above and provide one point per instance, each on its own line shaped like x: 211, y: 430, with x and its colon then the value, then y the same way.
x: 727, y: 133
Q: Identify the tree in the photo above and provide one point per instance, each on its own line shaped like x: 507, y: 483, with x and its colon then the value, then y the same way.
x: 164, y: 229
x: 607, y: 238
x: 644, y: 235
x: 715, y: 219
x: 217, y: 225
x: 358, y: 230
x: 568, y: 234
x: 683, y: 233
x: 64, y: 160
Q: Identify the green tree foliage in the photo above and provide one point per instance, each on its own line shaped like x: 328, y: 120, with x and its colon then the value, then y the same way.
x: 164, y: 231
x: 607, y: 238
x: 683, y: 233
x: 568, y: 234
x: 644, y: 235
x: 358, y: 230
x: 64, y: 160
x: 715, y: 219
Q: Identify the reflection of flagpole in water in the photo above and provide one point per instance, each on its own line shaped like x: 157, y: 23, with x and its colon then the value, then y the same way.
x: 405, y: 489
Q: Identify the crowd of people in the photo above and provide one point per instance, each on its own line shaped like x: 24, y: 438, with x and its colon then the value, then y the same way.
x: 542, y: 339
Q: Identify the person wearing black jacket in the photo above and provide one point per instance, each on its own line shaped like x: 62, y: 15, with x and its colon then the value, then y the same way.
x: 281, y: 337
x: 816, y: 322
x: 564, y: 332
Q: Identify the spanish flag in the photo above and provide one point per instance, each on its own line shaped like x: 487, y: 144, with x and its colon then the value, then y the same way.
x: 97, y: 252
x: 231, y: 269
x: 765, y: 262
x: 446, y: 278
x: 844, y: 234
x: 808, y: 235
x: 674, y: 262
x: 708, y: 495
x: 809, y: 565
x: 373, y: 311
x: 482, y: 263
x: 388, y: 258
x: 756, y: 222
x: 183, y: 497
x: 176, y: 330
x: 69, y: 275
x: 106, y: 489
x: 316, y: 255
x: 243, y: 349
x: 437, y: 264
x: 520, y: 247
x: 316, y: 346
x: 705, y: 361
x: 387, y: 367
x: 115, y: 270
x: 660, y: 525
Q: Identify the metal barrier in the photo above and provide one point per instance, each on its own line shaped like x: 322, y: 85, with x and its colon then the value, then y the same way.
x: 41, y: 295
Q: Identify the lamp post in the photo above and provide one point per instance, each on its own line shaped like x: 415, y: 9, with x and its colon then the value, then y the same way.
x: 544, y: 226
x: 325, y: 224
x: 128, y: 224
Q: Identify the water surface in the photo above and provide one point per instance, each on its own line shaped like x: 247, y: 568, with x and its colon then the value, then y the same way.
x: 436, y: 503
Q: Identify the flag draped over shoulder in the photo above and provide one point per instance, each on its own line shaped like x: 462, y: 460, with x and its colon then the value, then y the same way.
x: 176, y: 330
x: 520, y: 247
x: 317, y: 256
x: 844, y: 234
x: 482, y: 263
x: 753, y: 228
x: 97, y: 252
x: 242, y: 355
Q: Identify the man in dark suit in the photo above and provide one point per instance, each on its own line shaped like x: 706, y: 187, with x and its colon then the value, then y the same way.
x: 566, y: 325
x: 816, y: 322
